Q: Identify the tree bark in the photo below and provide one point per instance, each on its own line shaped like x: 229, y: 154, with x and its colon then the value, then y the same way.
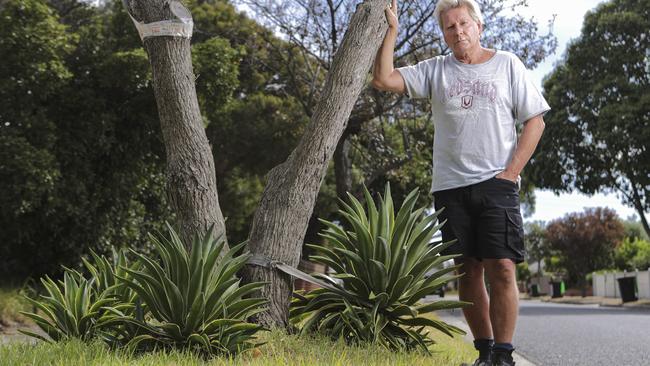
x: 191, y: 179
x: 281, y: 219
x: 343, y: 167
x: 638, y: 205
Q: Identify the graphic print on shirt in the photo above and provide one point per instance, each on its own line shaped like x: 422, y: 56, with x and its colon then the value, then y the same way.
x: 466, y: 101
x: 469, y: 88
x: 469, y: 97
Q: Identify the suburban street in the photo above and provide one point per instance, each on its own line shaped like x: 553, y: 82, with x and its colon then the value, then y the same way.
x: 561, y: 334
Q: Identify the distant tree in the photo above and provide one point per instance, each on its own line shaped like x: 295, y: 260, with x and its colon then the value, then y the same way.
x: 536, y: 243
x: 597, y: 135
x: 585, y: 242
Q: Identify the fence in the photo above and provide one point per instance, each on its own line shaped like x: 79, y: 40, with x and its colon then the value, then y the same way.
x: 606, y: 284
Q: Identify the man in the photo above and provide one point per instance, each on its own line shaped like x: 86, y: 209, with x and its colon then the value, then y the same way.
x: 478, y: 96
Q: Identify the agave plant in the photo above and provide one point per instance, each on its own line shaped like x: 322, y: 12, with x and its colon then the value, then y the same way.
x: 193, y: 298
x: 71, y: 308
x: 384, y: 265
x: 78, y: 306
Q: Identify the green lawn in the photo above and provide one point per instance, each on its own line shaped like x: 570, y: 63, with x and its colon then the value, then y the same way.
x: 281, y: 349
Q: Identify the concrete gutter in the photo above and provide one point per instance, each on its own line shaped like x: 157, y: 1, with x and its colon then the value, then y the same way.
x: 591, y: 300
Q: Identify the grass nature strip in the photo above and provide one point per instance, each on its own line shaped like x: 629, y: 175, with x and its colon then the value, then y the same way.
x: 281, y: 349
x: 12, y: 303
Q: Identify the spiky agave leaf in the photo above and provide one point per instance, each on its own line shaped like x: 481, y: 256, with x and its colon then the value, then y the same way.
x: 386, y: 262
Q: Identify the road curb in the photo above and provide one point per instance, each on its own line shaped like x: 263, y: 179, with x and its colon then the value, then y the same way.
x: 604, y: 302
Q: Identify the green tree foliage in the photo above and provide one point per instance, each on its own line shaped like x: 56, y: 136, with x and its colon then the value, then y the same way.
x: 597, y: 135
x: 82, y: 161
x: 396, y: 152
x: 253, y: 135
x: 585, y: 242
x: 215, y: 66
x: 634, y: 230
x: 632, y: 254
x: 33, y: 45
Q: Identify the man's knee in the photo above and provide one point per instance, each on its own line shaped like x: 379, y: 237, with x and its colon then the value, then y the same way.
x: 471, y: 269
x: 500, y: 271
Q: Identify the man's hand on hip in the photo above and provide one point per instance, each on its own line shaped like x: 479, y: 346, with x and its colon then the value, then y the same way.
x: 508, y: 176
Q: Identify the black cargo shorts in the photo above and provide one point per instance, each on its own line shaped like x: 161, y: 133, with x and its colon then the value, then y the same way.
x: 485, y: 218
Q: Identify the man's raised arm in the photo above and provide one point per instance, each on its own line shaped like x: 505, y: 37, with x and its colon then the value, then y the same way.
x: 384, y: 76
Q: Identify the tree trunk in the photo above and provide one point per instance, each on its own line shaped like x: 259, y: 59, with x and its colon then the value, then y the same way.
x: 638, y: 205
x: 343, y: 167
x: 281, y: 219
x: 191, y: 179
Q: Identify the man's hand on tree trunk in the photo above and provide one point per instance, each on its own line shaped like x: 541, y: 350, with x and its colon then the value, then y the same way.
x: 391, y: 15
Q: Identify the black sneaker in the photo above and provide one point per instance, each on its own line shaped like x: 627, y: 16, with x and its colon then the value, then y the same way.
x: 501, y: 358
x: 480, y: 362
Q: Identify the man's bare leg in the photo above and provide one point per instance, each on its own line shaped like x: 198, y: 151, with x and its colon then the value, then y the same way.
x: 471, y: 287
x: 504, y: 298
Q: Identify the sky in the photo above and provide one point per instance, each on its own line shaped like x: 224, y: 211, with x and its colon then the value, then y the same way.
x: 567, y: 26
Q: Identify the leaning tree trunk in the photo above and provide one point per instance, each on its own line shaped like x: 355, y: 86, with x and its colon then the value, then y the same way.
x: 638, y: 205
x: 191, y: 180
x: 343, y: 167
x: 281, y: 219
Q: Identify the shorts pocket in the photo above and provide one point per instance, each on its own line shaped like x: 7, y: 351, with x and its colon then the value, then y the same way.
x: 507, y: 182
x: 515, y: 233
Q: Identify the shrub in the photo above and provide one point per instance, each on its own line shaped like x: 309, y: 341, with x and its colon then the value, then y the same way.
x: 382, y: 267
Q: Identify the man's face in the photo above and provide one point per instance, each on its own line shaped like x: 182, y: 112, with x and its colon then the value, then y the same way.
x: 461, y: 32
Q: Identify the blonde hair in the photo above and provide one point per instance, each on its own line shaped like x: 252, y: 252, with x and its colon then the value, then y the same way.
x: 471, y: 5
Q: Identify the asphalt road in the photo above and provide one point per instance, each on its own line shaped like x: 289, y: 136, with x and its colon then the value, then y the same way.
x: 561, y: 334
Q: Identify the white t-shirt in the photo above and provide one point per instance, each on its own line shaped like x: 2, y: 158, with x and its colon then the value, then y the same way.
x: 475, y: 108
